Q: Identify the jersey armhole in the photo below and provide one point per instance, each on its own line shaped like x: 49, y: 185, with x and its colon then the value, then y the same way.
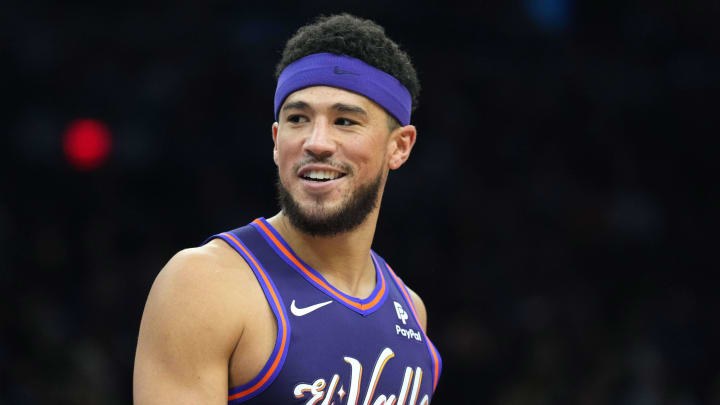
x: 434, y: 354
x: 274, y: 364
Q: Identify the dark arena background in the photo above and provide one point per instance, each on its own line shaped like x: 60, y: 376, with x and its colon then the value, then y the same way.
x: 558, y: 214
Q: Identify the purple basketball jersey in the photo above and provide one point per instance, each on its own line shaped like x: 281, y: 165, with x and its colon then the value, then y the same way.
x: 331, y: 348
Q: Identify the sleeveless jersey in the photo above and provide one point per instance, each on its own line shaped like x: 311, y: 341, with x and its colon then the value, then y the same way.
x: 331, y: 348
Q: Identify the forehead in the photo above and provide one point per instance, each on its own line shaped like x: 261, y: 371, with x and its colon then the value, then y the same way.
x: 320, y: 97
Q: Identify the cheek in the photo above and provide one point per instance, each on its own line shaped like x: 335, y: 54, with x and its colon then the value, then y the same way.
x: 370, y: 157
x: 283, y: 152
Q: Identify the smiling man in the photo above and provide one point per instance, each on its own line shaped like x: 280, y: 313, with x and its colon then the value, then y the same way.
x: 297, y: 308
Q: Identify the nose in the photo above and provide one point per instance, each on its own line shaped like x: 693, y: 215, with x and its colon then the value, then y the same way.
x: 320, y: 143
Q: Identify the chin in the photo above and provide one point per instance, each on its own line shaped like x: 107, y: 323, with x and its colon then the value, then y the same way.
x: 313, y: 210
x: 324, y: 216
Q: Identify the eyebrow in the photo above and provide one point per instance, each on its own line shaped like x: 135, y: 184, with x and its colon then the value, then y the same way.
x: 349, y: 108
x: 301, y: 105
x: 298, y: 105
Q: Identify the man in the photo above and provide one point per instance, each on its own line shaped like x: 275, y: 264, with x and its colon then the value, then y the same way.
x: 297, y: 308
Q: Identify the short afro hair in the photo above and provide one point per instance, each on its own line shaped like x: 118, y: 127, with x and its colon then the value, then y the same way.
x: 345, y: 34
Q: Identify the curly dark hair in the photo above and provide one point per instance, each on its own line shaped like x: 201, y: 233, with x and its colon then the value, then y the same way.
x: 345, y: 34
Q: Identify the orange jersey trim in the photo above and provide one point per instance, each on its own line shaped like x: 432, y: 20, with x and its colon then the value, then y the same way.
x: 276, y: 302
x: 319, y: 281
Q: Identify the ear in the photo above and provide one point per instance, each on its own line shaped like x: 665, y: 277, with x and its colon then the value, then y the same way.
x: 275, y: 145
x: 401, y: 143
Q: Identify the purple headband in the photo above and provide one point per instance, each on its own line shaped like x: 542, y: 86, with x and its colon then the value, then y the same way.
x: 345, y: 72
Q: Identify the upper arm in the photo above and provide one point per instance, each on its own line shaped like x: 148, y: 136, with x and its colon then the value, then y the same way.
x: 420, y: 310
x: 189, y: 328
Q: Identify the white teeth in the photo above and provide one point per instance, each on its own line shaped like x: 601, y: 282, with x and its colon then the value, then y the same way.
x: 321, y: 175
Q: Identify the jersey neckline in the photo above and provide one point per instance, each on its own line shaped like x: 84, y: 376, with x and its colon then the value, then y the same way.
x: 364, y: 306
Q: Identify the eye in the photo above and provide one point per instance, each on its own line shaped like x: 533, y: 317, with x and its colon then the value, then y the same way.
x: 297, y: 119
x: 345, y: 122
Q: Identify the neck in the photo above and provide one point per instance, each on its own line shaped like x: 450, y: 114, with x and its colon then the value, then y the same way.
x: 344, y: 260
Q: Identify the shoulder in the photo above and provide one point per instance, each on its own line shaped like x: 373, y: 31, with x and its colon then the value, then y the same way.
x: 417, y: 302
x: 212, y: 262
x: 196, y: 312
x: 420, y: 309
x: 197, y: 289
x: 208, y: 270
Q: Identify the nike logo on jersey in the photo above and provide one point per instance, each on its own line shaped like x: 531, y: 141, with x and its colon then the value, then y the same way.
x: 304, y: 311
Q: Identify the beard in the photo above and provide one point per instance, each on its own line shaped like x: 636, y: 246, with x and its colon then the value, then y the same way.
x: 319, y: 221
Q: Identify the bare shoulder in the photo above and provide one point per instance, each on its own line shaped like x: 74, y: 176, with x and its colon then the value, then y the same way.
x: 213, y: 265
x: 195, y: 314
x: 204, y: 279
x: 419, y: 308
x: 196, y: 292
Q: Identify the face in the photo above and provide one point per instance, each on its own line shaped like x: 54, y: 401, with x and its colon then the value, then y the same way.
x: 333, y: 149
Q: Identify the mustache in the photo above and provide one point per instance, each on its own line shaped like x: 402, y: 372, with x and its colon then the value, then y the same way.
x: 325, y: 161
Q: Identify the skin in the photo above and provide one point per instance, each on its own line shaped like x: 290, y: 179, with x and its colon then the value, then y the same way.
x: 207, y: 325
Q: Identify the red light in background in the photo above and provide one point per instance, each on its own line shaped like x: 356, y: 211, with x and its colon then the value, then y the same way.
x: 87, y: 143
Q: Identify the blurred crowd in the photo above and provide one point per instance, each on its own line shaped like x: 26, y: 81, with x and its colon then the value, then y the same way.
x: 557, y: 214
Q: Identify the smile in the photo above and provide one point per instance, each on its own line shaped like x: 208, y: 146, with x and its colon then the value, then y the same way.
x: 321, y: 175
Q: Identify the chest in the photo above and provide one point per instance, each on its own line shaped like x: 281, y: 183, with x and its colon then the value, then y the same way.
x: 338, y: 356
x: 330, y: 348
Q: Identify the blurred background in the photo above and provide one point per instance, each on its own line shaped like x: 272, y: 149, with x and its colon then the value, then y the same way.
x: 558, y: 214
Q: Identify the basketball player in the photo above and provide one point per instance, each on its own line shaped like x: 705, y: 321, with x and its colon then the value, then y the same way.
x: 297, y: 309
